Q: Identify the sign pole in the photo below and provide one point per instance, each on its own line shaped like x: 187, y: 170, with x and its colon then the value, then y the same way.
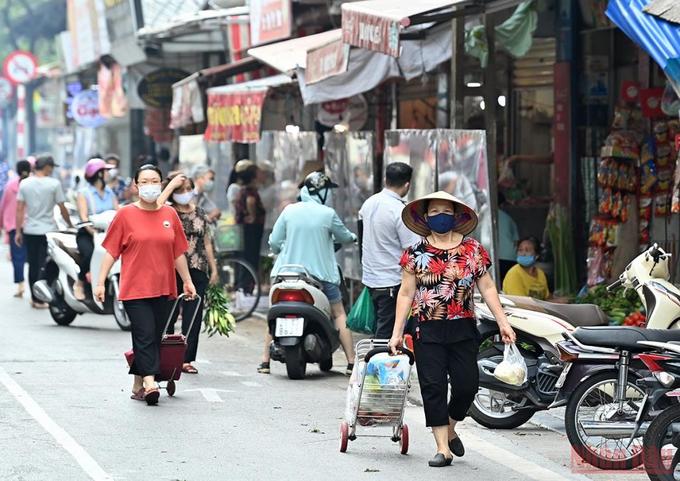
x: 21, y: 121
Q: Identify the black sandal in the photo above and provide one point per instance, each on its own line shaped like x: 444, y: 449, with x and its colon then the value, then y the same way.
x: 456, y: 447
x: 264, y: 368
x: 440, y: 461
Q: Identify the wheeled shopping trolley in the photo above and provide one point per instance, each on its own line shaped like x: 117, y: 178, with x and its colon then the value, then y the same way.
x: 172, y: 350
x: 376, y: 395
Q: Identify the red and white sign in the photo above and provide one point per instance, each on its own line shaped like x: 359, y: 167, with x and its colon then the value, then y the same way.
x: 352, y: 111
x: 630, y: 91
x: 650, y: 102
x: 326, y: 61
x: 371, y: 32
x: 235, y: 116
x: 6, y: 91
x: 269, y: 20
x: 20, y: 67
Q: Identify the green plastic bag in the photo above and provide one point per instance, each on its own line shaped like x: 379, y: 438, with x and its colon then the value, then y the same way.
x: 362, y: 316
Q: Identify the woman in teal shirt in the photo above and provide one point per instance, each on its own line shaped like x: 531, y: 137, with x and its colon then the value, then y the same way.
x: 305, y: 234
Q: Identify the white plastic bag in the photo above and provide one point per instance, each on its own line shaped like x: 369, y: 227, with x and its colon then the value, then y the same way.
x: 512, y: 370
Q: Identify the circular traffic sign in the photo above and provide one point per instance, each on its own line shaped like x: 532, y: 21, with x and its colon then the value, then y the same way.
x: 6, y: 91
x: 20, y: 67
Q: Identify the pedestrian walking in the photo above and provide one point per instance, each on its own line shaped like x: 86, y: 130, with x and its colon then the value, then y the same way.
x: 37, y: 197
x: 383, y: 240
x: 204, y: 180
x: 8, y: 223
x: 304, y: 234
x: 95, y: 198
x: 438, y: 281
x: 250, y: 215
x: 150, y: 241
x: 200, y: 257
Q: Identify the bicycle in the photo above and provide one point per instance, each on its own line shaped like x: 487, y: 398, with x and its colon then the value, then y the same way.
x: 239, y: 278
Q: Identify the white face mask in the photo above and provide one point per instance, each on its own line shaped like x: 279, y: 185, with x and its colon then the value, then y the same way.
x: 113, y: 173
x: 183, y: 199
x: 150, y: 193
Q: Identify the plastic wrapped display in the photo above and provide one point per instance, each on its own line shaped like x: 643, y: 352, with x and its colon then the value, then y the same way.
x: 349, y: 162
x: 454, y: 161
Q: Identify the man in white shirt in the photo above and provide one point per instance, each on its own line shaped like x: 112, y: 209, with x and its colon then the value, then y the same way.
x: 384, y: 239
x: 37, y: 197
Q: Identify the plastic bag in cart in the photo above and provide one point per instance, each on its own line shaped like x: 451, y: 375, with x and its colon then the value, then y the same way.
x: 389, y: 370
x: 512, y: 370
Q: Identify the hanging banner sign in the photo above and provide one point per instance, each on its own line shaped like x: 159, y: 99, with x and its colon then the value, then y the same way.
x: 326, y: 61
x: 155, y: 89
x: 371, y: 32
x: 353, y: 111
x: 85, y: 109
x: 235, y: 117
x: 269, y: 20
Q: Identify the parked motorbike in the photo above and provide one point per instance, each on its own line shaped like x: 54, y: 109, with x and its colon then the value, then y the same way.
x: 662, y: 435
x: 604, y: 365
x: 539, y: 326
x: 301, y: 323
x: 61, y: 272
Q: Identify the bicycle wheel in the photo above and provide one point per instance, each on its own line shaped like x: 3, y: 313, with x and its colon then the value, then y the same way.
x: 242, y: 286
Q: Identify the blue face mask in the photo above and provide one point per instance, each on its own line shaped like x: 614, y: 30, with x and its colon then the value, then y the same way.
x: 441, y: 223
x: 526, y: 261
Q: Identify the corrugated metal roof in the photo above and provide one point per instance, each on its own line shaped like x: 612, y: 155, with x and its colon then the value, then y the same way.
x: 667, y: 9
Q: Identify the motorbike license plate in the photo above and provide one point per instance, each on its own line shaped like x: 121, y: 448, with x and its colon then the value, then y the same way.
x: 289, y: 326
x: 563, y: 376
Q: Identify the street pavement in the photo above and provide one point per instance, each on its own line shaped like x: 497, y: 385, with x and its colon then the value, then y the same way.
x: 65, y: 414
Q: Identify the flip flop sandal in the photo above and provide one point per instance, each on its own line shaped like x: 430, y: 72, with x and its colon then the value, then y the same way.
x: 151, y: 396
x: 138, y: 396
x: 189, y: 369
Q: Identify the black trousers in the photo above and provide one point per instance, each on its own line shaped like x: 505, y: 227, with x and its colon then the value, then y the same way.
x: 85, y: 243
x: 436, y: 361
x: 385, y: 303
x: 147, y: 318
x: 36, y: 254
x: 200, y: 280
x: 252, y: 243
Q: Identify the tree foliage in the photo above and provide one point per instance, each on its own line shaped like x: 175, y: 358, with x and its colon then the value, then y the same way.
x: 31, y: 25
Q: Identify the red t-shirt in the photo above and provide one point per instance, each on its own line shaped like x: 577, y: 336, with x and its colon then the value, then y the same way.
x: 148, y: 242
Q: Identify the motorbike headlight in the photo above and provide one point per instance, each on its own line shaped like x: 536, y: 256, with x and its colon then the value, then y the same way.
x: 666, y: 379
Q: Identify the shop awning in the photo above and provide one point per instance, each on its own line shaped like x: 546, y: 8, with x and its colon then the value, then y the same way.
x: 367, y: 69
x: 187, y: 98
x: 377, y: 24
x: 288, y: 55
x: 235, y: 111
x: 668, y: 10
x: 659, y: 38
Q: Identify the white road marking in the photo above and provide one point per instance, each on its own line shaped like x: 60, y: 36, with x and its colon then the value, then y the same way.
x: 251, y: 384
x: 210, y: 395
x: 64, y: 439
x: 232, y: 374
x: 517, y: 463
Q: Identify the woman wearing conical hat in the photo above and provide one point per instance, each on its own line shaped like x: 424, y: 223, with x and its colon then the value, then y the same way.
x: 438, y: 281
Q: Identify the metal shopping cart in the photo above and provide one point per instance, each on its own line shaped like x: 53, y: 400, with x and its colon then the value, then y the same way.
x: 373, y: 403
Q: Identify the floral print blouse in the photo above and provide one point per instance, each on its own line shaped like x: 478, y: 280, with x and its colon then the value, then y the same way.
x: 197, y: 230
x: 445, y: 279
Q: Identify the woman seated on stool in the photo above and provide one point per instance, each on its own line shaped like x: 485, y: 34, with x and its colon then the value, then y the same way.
x: 525, y: 279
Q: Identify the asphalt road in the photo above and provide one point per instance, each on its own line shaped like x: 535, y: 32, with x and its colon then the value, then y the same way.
x: 65, y: 414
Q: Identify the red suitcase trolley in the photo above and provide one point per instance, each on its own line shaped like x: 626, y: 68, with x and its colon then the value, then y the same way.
x: 172, y: 351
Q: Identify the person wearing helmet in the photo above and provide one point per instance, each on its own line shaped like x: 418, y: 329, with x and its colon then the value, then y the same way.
x: 304, y: 234
x: 95, y: 198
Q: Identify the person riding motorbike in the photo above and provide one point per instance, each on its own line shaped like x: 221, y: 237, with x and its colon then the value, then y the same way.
x: 305, y: 234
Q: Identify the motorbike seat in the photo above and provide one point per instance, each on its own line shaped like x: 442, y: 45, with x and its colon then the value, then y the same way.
x: 73, y: 252
x: 575, y: 314
x: 624, y: 337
